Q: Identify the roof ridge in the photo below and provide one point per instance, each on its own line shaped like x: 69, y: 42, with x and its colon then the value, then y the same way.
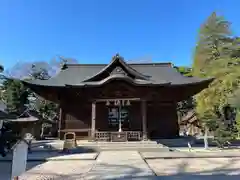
x: 104, y: 64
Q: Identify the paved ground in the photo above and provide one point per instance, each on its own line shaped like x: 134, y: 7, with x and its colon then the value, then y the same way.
x: 47, y: 156
x: 129, y: 165
x: 5, y: 169
x: 59, y: 170
x: 109, y: 165
x: 171, y: 155
x: 119, y: 165
x: 197, y: 168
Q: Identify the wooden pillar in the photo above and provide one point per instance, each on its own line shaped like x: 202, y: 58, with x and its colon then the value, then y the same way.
x: 144, y: 119
x: 60, y: 123
x: 93, y: 124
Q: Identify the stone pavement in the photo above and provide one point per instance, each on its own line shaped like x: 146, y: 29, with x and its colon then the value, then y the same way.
x: 5, y: 169
x: 196, y: 168
x: 57, y: 156
x: 177, y: 154
x: 58, y: 170
x: 119, y: 165
x: 108, y: 166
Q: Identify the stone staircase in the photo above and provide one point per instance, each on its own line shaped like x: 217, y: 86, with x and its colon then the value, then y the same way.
x: 141, y: 146
x: 160, y: 145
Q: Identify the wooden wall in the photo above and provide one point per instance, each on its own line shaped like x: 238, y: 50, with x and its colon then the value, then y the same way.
x: 162, y: 121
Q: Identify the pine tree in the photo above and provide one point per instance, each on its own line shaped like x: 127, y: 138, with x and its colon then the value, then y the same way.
x: 215, y: 56
x: 212, y: 36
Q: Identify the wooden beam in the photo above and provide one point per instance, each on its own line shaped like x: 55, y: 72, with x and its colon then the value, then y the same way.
x: 112, y: 99
x: 93, y: 124
x: 144, y: 119
x: 60, y: 123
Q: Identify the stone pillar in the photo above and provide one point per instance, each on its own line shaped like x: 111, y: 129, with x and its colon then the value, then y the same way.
x: 144, y: 119
x: 93, y: 124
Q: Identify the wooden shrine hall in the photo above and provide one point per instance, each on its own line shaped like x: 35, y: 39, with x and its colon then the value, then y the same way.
x: 118, y: 101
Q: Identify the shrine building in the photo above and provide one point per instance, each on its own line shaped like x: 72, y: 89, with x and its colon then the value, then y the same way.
x: 118, y: 101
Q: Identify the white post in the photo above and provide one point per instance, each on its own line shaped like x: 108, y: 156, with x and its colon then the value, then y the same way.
x: 19, y: 161
x: 1, y: 124
x: 205, y: 138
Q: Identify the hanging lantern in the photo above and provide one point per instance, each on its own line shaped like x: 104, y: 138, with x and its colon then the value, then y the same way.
x: 117, y: 102
x: 107, y: 103
x: 128, y: 103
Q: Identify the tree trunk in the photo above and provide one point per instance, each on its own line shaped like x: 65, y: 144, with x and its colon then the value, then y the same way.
x: 206, y: 138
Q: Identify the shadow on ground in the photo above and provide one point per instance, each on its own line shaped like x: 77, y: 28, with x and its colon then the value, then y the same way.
x: 182, y: 141
x: 111, y: 172
x: 36, y: 158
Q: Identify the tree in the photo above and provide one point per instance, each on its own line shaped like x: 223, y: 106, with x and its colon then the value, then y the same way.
x: 185, y: 71
x: 215, y: 56
x: 46, y: 110
x: 17, y: 96
x: 8, y: 134
x: 185, y: 105
x: 235, y: 103
x: 237, y: 125
x: 212, y: 36
x: 1, y: 68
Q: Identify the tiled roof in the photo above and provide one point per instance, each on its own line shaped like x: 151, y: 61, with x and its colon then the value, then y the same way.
x: 138, y: 74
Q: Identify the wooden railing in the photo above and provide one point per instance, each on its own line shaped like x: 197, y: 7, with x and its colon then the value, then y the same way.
x: 118, y: 136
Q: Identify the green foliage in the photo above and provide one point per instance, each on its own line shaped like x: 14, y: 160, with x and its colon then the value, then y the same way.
x: 216, y: 55
x: 212, y: 36
x: 185, y: 71
x: 235, y: 103
x: 1, y: 68
x: 15, y: 95
x: 17, y: 98
x: 223, y: 135
x: 237, y: 125
x: 186, y: 105
x: 10, y: 92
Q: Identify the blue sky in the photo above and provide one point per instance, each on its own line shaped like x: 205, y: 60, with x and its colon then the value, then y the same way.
x: 92, y: 31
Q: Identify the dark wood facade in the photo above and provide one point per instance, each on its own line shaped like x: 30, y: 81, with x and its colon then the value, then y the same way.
x: 147, y: 93
x: 155, y: 107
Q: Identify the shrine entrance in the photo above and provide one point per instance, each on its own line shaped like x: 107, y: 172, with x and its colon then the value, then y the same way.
x: 118, y: 115
x: 119, y: 121
x: 118, y: 118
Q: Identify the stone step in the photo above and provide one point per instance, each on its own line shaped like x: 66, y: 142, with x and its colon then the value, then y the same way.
x: 104, y: 144
x: 118, y: 143
x: 135, y: 149
x: 98, y: 148
x: 122, y: 145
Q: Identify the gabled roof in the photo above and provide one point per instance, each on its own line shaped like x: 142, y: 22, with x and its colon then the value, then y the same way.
x: 142, y: 74
x: 118, y: 62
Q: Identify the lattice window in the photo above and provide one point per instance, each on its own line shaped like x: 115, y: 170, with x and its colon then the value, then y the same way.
x: 102, y: 136
x: 134, y: 135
